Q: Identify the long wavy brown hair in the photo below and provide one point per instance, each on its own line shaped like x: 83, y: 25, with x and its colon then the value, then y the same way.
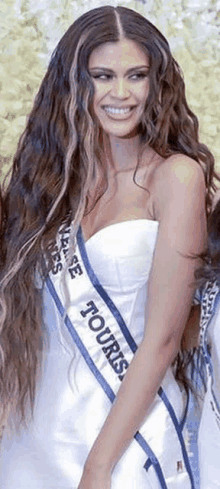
x: 55, y: 166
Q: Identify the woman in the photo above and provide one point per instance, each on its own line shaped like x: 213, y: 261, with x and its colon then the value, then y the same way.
x: 209, y: 435
x: 105, y: 206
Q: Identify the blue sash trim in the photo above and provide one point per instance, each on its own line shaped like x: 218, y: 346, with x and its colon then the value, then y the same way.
x: 109, y: 392
x: 179, y: 433
x: 103, y: 293
x: 148, y: 464
x: 133, y: 346
x: 152, y: 460
x: 182, y: 423
x: 215, y: 399
x: 99, y: 377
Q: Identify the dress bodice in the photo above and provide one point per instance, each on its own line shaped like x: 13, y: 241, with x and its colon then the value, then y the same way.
x: 70, y: 406
x: 121, y: 256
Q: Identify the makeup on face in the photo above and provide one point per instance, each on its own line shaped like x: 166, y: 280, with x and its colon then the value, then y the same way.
x: 120, y: 75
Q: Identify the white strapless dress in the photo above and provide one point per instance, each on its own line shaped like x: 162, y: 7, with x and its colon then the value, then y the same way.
x: 70, y: 406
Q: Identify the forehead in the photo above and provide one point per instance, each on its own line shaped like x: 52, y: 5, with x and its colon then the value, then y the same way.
x: 123, y: 53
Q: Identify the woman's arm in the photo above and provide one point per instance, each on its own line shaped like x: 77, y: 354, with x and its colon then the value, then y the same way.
x: 180, y: 208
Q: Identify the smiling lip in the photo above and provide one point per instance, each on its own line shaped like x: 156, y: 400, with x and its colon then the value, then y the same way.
x: 118, y: 112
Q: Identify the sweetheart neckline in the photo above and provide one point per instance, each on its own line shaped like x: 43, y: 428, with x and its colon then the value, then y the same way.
x: 115, y: 224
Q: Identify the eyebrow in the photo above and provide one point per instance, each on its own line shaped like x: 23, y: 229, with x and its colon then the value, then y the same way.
x: 112, y: 72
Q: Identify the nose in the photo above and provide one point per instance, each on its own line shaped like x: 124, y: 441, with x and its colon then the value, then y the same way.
x: 120, y: 88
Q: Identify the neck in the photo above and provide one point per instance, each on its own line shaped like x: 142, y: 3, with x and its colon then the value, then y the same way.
x: 123, y: 152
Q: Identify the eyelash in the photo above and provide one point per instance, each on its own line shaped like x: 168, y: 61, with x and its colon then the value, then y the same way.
x: 106, y: 77
x: 140, y: 76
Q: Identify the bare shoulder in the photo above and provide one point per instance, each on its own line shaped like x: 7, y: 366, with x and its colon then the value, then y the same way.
x: 179, y: 184
x: 180, y: 169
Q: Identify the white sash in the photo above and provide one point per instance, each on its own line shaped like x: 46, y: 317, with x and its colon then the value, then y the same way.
x: 95, y: 324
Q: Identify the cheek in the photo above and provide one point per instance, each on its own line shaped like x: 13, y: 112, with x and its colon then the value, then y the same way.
x: 141, y: 93
x: 96, y: 105
x: 145, y: 91
x: 100, y: 92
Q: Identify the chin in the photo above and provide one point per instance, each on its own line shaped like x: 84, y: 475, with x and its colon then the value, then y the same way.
x: 124, y: 135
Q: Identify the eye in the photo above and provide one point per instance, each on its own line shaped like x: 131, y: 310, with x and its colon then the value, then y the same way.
x: 102, y: 76
x: 138, y: 76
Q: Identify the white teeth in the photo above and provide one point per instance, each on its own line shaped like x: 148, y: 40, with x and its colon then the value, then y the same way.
x: 114, y: 110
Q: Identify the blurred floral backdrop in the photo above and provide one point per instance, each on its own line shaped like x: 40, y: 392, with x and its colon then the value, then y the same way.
x: 30, y: 29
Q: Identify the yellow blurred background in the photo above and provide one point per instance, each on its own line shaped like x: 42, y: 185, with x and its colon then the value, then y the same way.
x: 30, y: 30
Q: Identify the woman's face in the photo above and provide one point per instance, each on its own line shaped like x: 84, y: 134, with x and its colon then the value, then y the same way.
x: 120, y: 76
